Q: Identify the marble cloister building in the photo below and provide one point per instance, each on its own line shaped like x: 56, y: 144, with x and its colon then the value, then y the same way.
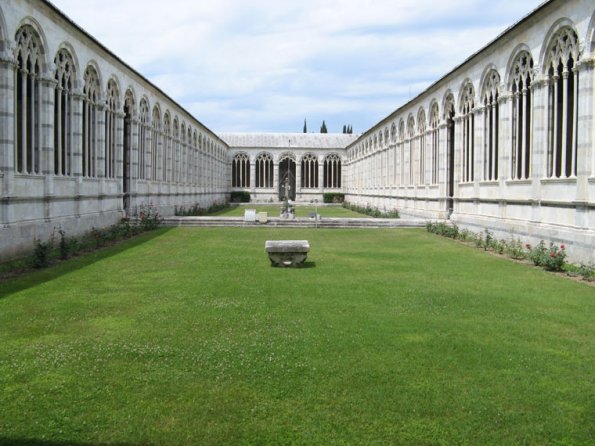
x: 504, y: 141
x: 308, y: 164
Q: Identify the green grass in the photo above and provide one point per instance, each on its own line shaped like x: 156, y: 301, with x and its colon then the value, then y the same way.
x: 336, y: 211
x: 188, y: 336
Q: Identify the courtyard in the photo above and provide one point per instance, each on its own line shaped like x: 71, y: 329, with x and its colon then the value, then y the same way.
x: 188, y: 336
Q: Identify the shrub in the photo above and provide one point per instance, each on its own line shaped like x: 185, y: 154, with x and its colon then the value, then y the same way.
x: 42, y: 253
x: 488, y: 239
x: 148, y: 217
x: 66, y: 246
x: 196, y: 211
x: 514, y: 249
x: 499, y: 246
x: 193, y: 211
x: 240, y: 197
x: 373, y: 212
x: 444, y: 229
x: 556, y: 258
x: 587, y: 272
x: 333, y: 197
x: 537, y: 254
x: 466, y: 235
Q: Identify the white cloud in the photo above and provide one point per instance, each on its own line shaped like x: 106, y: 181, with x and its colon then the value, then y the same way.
x: 265, y: 65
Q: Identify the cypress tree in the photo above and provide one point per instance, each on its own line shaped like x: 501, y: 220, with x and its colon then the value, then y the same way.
x: 305, y: 126
x: 323, y: 128
x: 344, y: 129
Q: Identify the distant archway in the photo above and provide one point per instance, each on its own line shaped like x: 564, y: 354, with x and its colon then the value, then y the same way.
x: 287, y: 177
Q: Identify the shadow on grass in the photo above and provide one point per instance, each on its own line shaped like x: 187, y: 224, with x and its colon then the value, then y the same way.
x: 36, y: 277
x: 304, y: 265
x: 36, y: 442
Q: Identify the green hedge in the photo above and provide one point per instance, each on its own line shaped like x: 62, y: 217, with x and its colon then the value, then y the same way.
x: 333, y: 197
x: 240, y: 197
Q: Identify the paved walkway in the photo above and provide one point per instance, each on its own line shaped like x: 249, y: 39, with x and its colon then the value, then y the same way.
x: 297, y: 222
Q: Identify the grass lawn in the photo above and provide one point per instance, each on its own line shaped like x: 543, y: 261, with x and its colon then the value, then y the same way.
x: 188, y: 336
x: 300, y: 211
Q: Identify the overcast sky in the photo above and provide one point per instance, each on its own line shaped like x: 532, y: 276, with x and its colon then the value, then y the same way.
x: 265, y: 65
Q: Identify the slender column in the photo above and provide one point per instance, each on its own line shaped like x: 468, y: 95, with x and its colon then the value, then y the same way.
x: 252, y: 184
x: 494, y: 139
x: 7, y: 130
x: 523, y: 131
x: 24, y: 102
x: 321, y: 176
x: 573, y: 150
x: 119, y: 149
x: 555, y: 125
x: 101, y: 141
x: 564, y: 121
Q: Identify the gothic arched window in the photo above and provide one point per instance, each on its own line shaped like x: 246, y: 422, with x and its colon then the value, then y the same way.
x: 91, y: 109
x: 522, y: 99
x: 491, y: 126
x: 563, y: 81
x: 435, y: 141
x: 332, y: 171
x: 264, y: 170
x: 309, y: 171
x: 111, y: 125
x: 143, y: 135
x: 63, y: 113
x: 29, y: 60
x: 468, y: 131
x: 240, y: 171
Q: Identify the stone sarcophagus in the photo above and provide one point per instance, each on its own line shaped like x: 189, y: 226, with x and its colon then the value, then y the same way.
x: 287, y: 253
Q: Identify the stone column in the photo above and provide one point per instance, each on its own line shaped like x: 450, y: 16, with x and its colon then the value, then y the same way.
x: 321, y: 175
x: 100, y: 141
x: 77, y: 145
x: 252, y: 175
x: 7, y: 130
x: 584, y: 136
x: 46, y: 117
x: 275, y: 176
x: 482, y: 136
x: 119, y: 155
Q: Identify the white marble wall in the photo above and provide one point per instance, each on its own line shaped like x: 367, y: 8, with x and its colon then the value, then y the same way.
x: 33, y: 206
x: 538, y: 207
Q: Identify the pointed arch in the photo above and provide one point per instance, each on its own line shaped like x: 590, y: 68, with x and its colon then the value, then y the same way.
x: 489, y: 97
x: 156, y: 144
x: 434, y: 140
x: 467, y: 106
x: 91, y: 110
x: 240, y: 170
x: 411, y: 150
x: 332, y: 171
x: 448, y: 105
x: 111, y: 127
x: 560, y: 66
x: 264, y: 170
x: 520, y: 80
x: 309, y: 164
x: 144, y: 134
x: 65, y: 77
x: 30, y: 63
x: 421, y: 144
x: 167, y: 145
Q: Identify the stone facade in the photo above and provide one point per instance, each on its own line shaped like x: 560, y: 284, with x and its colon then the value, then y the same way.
x: 84, y: 138
x: 504, y: 141
x: 310, y: 162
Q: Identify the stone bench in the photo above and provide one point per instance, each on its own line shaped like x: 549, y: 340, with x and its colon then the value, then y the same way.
x: 287, y: 253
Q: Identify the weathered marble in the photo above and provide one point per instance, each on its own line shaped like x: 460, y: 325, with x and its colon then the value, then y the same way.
x: 287, y: 253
